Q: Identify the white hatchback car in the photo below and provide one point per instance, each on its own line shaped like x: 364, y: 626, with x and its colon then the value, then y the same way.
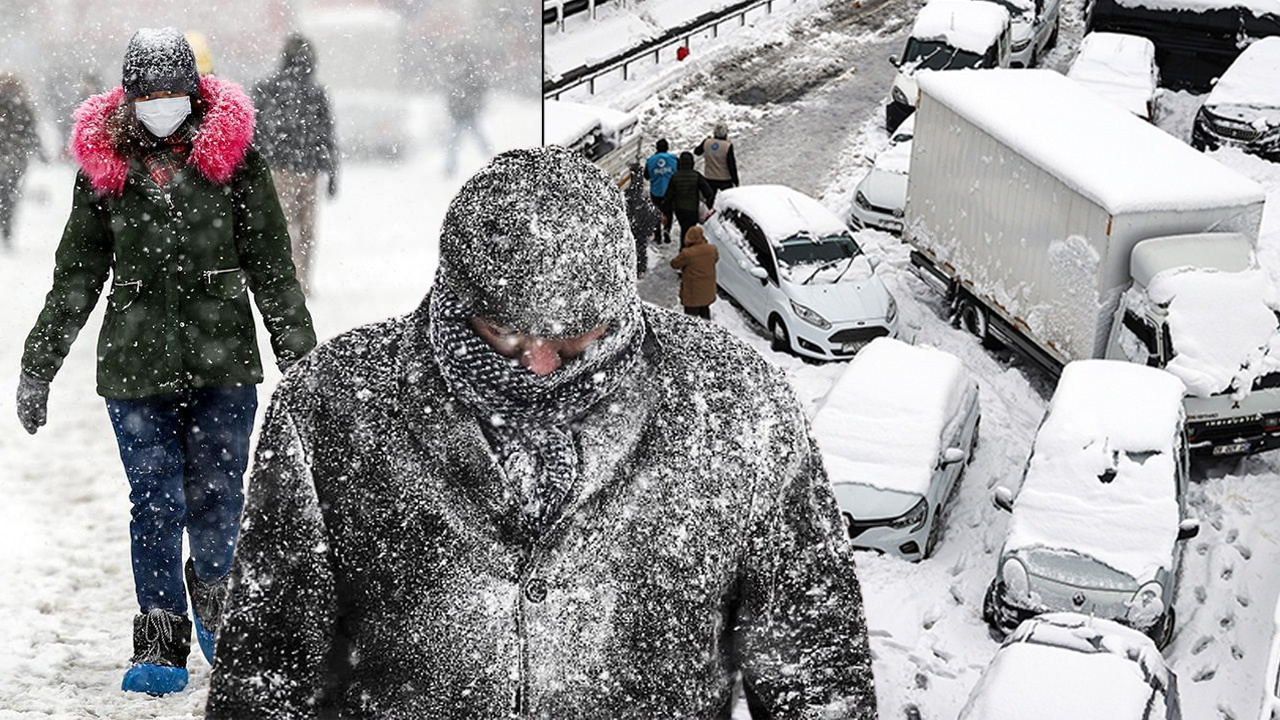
x: 792, y: 265
x: 880, y: 197
x: 1067, y: 666
x: 1121, y: 68
x: 896, y: 432
x: 1098, y: 522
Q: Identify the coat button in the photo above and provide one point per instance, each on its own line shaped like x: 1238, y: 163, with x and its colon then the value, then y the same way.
x: 536, y: 590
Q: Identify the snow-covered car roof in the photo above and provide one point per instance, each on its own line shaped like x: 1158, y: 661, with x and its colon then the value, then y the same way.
x: 1065, y: 666
x: 1215, y: 349
x: 970, y: 25
x: 1103, y: 152
x: 567, y: 122
x: 781, y: 212
x: 1253, y: 79
x: 1101, y: 481
x: 882, y: 423
x: 1117, y: 67
x: 895, y: 158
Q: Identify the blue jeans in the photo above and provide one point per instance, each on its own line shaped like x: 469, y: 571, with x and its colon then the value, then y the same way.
x: 185, y: 454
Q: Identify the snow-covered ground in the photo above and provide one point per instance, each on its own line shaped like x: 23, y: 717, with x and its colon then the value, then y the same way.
x: 66, y: 593
x: 802, y: 93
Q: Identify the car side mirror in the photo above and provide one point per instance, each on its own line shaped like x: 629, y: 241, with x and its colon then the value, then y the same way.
x: 759, y: 272
x: 874, y: 263
x: 1002, y: 498
x: 1188, y: 529
x: 952, y: 455
x: 895, y: 61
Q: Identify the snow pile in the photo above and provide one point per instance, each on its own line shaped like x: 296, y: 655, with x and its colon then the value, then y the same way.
x: 781, y: 212
x: 1223, y: 327
x: 1118, y: 67
x: 883, y: 422
x: 1108, y: 155
x: 1252, y: 78
x: 1101, y: 478
x: 962, y: 24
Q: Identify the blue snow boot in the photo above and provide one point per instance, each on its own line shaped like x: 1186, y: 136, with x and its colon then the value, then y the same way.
x: 161, y: 643
x: 207, y: 600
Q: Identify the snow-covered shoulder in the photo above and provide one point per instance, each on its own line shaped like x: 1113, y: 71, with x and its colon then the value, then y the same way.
x: 1101, y: 478
x: 882, y: 423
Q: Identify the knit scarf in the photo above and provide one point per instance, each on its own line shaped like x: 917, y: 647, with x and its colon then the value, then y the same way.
x: 530, y: 420
x: 165, y: 158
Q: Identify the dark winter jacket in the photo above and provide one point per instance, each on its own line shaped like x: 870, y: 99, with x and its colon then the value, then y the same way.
x: 467, y: 88
x: 182, y: 260
x: 697, y: 265
x: 640, y: 211
x: 383, y: 570
x: 18, y: 138
x: 685, y: 188
x: 295, y: 125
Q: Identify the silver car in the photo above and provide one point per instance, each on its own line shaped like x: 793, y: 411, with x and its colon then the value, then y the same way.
x: 1099, y: 521
x: 896, y: 432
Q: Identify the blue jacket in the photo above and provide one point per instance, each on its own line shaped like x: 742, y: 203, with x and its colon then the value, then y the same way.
x: 658, y: 170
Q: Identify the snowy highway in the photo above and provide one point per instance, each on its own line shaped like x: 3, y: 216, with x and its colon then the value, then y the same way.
x: 803, y: 96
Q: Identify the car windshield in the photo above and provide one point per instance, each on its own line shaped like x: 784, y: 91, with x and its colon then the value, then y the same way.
x: 937, y: 55
x: 805, y: 256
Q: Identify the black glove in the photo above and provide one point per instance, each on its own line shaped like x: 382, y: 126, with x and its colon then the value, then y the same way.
x: 333, y: 184
x: 33, y: 402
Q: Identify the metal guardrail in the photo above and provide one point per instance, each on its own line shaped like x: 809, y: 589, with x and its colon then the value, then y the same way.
x: 651, y: 50
x: 566, y: 8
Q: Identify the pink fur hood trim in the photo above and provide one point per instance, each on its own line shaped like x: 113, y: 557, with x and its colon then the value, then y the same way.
x: 217, y: 152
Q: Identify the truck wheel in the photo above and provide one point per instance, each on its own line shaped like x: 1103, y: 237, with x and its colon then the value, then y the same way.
x: 1162, y: 633
x: 781, y: 341
x: 973, y: 317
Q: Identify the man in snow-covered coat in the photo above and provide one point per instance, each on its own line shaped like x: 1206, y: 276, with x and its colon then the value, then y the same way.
x: 538, y: 497
x: 175, y: 205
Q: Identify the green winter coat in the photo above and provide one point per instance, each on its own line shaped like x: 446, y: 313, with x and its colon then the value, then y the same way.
x: 182, y: 262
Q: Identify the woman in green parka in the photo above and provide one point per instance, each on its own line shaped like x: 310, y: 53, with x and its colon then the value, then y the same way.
x: 176, y: 206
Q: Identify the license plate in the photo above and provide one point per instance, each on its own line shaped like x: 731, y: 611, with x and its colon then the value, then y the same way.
x: 1232, y: 449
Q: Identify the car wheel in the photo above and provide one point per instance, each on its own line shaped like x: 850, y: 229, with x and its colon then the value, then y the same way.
x: 973, y: 440
x: 1162, y: 632
x: 1053, y: 36
x: 935, y: 535
x: 781, y: 341
x: 973, y: 317
x: 990, y: 611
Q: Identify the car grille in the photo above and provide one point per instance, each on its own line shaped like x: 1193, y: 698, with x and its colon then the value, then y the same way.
x: 1234, y: 131
x: 1056, y: 595
x: 848, y: 342
x: 1226, y: 430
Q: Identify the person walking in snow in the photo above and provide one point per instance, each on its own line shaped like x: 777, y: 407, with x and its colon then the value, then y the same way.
x: 174, y: 203
x: 718, y: 163
x: 642, y: 215
x: 18, y: 143
x: 467, y: 87
x: 686, y: 189
x: 295, y: 133
x: 538, y: 496
x: 658, y: 169
x: 697, y: 265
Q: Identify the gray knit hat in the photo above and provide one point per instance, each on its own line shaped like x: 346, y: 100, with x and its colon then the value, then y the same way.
x: 159, y: 60
x: 538, y: 240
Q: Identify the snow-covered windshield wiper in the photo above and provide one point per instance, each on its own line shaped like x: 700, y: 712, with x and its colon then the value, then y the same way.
x: 827, y: 264
x: 846, y: 267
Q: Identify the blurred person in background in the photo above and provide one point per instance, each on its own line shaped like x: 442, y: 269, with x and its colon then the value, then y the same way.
x: 686, y: 192
x: 295, y: 134
x: 697, y: 265
x: 658, y: 169
x: 643, y: 215
x: 19, y: 141
x: 468, y: 86
x: 203, y: 51
x: 719, y: 165
x: 173, y: 203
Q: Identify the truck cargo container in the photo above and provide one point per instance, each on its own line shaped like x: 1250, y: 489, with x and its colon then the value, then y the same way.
x: 1028, y: 199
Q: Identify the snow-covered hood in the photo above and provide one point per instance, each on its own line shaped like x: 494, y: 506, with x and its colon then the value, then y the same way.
x: 849, y: 300
x: 217, y: 151
x: 1251, y: 78
x: 1219, y: 351
x: 886, y: 185
x: 867, y: 502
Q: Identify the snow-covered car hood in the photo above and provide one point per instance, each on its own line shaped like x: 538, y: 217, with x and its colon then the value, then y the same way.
x: 866, y: 502
x: 886, y: 185
x: 849, y: 300
x: 1126, y: 93
x: 1251, y: 78
x: 1078, y: 569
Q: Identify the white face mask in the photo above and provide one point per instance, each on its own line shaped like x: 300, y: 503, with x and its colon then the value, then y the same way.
x: 163, y: 115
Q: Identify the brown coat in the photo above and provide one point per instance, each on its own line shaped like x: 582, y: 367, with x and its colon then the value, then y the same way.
x: 698, y: 259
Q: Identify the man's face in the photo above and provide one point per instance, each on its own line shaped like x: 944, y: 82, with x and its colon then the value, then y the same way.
x: 542, y: 356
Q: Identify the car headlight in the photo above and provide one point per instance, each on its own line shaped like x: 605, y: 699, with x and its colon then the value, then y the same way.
x: 913, y: 519
x: 1146, y: 606
x: 862, y: 201
x: 809, y: 316
x: 899, y: 96
x: 892, y: 313
x: 1014, y: 575
x: 1020, y: 45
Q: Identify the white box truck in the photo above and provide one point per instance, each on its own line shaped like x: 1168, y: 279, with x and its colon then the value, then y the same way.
x: 1064, y: 227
